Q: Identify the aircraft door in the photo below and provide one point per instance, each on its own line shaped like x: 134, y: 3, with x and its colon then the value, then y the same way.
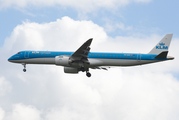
x: 26, y: 55
x: 139, y: 57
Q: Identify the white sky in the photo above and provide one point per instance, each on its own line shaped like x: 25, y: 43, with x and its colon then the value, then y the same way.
x: 46, y: 93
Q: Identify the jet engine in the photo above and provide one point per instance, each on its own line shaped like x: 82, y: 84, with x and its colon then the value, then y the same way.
x: 62, y: 60
x: 70, y: 70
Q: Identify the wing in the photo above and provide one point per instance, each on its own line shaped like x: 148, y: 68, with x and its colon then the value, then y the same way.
x: 82, y: 53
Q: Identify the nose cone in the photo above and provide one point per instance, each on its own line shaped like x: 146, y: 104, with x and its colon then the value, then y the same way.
x: 10, y: 59
x: 14, y: 58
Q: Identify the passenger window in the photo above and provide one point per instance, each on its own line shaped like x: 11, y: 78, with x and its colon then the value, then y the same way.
x: 96, y: 55
x: 93, y: 55
x: 99, y: 55
x: 44, y: 53
x: 113, y: 55
x: 55, y: 54
x: 41, y: 53
x: 102, y: 55
x: 106, y: 55
x: 120, y: 55
x: 116, y: 55
x: 110, y: 55
x: 58, y: 54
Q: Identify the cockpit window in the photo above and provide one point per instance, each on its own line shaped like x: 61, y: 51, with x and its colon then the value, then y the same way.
x: 18, y: 53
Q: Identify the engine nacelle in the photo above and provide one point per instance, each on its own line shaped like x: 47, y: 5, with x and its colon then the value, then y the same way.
x: 62, y: 60
x: 71, y: 70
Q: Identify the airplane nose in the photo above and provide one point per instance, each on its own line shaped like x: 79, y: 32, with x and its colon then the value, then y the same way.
x: 10, y: 59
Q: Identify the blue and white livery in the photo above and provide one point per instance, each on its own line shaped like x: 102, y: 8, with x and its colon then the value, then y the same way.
x: 82, y: 59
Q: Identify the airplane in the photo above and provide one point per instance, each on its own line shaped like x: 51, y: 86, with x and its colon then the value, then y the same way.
x: 83, y: 60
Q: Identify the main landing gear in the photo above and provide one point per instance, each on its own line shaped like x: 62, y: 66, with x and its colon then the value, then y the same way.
x: 88, y: 74
x: 82, y: 69
x: 24, y: 67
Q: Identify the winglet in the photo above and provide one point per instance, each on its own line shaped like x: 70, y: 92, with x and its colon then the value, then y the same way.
x: 162, y: 46
x: 88, y: 42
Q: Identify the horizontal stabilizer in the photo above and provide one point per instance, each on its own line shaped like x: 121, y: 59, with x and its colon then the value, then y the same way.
x: 162, y: 55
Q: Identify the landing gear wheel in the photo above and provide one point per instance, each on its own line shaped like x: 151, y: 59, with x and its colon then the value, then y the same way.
x: 24, y: 67
x: 88, y: 74
x: 82, y: 69
x: 24, y: 70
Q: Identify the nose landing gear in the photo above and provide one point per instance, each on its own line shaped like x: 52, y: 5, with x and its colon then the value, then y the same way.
x: 24, y: 67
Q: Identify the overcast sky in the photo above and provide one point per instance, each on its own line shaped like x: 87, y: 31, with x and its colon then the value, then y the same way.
x: 44, y: 92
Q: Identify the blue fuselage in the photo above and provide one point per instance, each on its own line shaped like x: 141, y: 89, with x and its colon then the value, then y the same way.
x: 101, y: 59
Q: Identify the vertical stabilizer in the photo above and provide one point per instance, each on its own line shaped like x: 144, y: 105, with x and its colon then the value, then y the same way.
x: 163, y: 45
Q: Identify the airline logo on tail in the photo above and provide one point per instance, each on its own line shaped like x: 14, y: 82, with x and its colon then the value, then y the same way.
x: 161, y: 46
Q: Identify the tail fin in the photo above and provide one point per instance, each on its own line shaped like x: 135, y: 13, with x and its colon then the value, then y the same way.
x: 163, y: 46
